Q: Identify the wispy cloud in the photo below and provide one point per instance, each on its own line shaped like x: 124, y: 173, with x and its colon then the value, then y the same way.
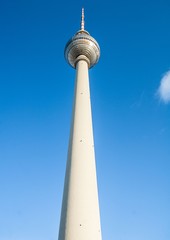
x: 164, y: 88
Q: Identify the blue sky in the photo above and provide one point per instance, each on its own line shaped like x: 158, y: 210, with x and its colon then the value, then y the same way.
x: 131, y: 115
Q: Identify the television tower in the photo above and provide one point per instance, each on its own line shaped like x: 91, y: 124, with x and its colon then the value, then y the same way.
x: 80, y: 217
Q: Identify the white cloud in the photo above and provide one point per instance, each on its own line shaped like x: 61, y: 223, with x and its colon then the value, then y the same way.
x: 164, y: 88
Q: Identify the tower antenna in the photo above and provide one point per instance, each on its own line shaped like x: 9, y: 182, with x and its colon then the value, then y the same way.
x: 82, y: 19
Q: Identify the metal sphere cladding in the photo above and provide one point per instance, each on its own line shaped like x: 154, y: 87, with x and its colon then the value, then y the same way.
x: 82, y: 44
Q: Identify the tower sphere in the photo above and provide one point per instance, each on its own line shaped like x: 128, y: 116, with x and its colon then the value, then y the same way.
x: 82, y: 46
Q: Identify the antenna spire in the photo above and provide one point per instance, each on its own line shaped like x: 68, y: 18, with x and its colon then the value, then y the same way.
x: 82, y: 20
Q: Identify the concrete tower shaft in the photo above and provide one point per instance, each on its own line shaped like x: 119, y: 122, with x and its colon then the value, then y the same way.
x: 80, y: 217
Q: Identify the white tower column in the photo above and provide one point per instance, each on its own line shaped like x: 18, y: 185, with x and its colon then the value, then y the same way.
x: 80, y: 218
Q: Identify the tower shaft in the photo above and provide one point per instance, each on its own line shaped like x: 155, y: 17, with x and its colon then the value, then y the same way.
x: 80, y: 218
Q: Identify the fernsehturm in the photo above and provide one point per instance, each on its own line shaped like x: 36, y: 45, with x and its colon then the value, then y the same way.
x: 80, y: 217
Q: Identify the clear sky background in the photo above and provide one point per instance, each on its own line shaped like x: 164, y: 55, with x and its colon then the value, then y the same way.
x: 130, y: 88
